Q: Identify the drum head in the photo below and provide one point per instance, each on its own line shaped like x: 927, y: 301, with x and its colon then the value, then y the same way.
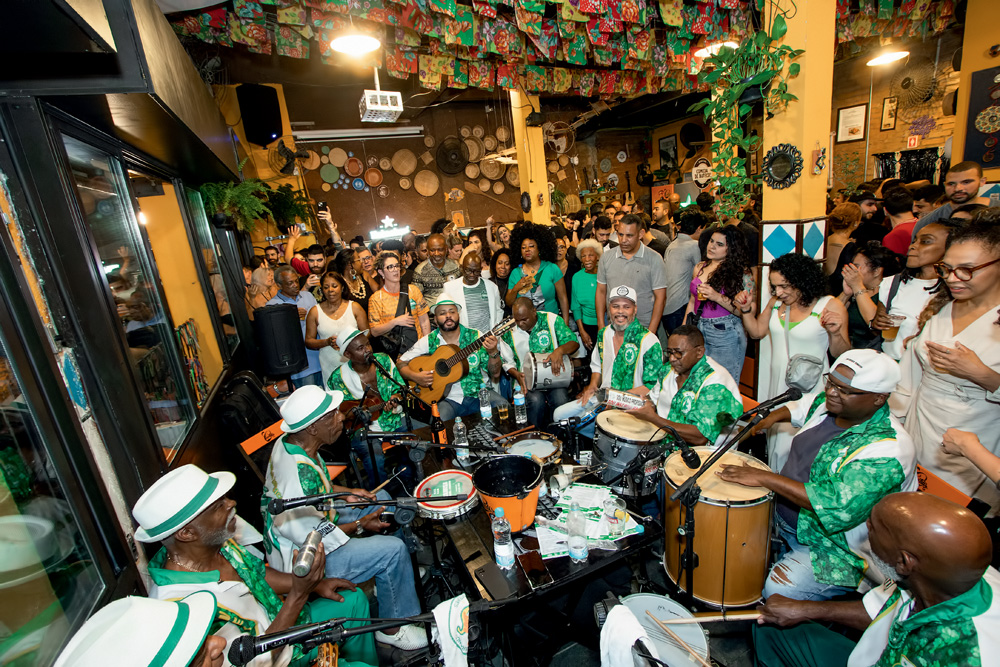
x: 535, y: 443
x: 624, y: 426
x: 446, y: 483
x: 712, y: 486
x: 665, y: 609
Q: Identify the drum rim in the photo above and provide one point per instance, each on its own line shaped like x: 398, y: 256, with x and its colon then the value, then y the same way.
x: 597, y: 425
x: 454, y: 503
x: 530, y: 374
x: 634, y: 443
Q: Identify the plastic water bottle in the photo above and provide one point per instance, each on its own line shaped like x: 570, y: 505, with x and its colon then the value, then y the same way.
x: 520, y: 410
x: 503, y: 546
x: 485, y: 407
x: 460, y: 440
x: 576, y: 529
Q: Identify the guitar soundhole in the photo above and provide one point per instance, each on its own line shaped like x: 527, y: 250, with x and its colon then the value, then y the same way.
x: 441, y: 367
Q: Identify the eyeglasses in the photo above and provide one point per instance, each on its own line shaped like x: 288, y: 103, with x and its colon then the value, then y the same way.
x: 841, y: 390
x: 963, y: 273
x: 390, y: 267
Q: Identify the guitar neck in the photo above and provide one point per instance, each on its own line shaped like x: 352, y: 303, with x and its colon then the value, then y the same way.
x: 474, y: 346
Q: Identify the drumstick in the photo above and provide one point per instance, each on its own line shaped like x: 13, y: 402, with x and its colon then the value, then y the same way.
x: 513, y: 433
x: 382, y: 485
x: 711, y: 618
x: 676, y: 638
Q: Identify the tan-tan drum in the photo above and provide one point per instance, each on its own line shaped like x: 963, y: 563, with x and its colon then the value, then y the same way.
x: 733, y: 525
x: 619, y: 438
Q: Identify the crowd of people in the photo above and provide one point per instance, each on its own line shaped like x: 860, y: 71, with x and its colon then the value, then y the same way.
x: 899, y: 324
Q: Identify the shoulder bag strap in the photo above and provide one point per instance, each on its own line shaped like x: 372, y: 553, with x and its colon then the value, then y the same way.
x: 896, y: 280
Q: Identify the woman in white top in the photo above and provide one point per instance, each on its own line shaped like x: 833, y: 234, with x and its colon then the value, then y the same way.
x: 334, y: 313
x: 951, y: 370
x: 814, y: 324
x: 906, y: 294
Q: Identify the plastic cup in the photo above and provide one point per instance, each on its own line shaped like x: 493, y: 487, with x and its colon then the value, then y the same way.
x: 614, y: 513
x: 891, y: 333
x: 503, y: 411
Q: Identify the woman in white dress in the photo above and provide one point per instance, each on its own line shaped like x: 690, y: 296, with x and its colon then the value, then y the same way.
x: 325, y: 320
x: 951, y: 370
x: 814, y: 324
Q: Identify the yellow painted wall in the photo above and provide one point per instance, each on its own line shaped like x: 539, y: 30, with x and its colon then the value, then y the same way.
x: 175, y: 264
x: 674, y: 127
x: 982, y: 30
x: 257, y: 165
x: 530, y: 145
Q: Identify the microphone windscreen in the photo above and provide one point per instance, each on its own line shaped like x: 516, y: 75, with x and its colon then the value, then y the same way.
x: 794, y: 393
x: 276, y: 506
x: 241, y: 650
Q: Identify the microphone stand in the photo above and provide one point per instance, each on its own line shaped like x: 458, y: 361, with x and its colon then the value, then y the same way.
x: 690, y: 493
x: 407, y: 391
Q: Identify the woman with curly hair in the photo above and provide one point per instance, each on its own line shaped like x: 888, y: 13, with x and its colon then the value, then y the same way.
x: 801, y: 320
x: 536, y: 276
x: 951, y: 370
x: 724, y: 274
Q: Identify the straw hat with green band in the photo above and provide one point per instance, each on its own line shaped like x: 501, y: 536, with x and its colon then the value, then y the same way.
x: 445, y: 301
x: 306, y: 405
x: 344, y: 338
x: 177, y: 498
x: 137, y: 631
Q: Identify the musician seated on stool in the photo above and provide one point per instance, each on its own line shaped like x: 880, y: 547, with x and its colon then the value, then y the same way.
x: 357, y: 378
x: 139, y: 631
x: 296, y: 469
x: 462, y: 397
x: 626, y: 357
x: 188, y: 511
x: 697, y: 397
x: 849, y: 453
x: 943, y: 610
x: 547, y: 337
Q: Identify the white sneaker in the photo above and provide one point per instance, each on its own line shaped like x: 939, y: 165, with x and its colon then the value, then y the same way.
x: 407, y: 638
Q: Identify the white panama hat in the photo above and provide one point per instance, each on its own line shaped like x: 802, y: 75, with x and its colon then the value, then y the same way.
x: 177, y: 498
x: 306, y: 405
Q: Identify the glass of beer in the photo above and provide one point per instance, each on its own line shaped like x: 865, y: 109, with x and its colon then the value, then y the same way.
x: 503, y: 411
x: 893, y: 331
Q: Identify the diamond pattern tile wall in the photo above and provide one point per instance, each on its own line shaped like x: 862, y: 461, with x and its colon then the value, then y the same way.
x: 778, y: 240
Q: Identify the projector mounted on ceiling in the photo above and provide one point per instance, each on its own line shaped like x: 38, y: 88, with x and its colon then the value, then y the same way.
x: 380, y: 106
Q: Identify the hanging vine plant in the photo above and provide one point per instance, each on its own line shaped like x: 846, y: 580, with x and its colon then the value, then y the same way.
x: 754, y: 71
x: 242, y: 203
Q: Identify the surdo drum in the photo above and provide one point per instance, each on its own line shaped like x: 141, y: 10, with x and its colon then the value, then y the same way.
x: 619, y: 439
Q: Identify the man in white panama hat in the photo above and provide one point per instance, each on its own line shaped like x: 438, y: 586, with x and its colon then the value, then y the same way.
x: 296, y: 469
x: 188, y: 511
x: 359, y: 376
x: 137, y: 631
x: 626, y: 357
x: 462, y: 397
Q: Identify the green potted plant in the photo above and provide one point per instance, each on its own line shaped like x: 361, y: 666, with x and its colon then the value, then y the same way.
x: 241, y: 204
x: 288, y: 206
x: 752, y: 72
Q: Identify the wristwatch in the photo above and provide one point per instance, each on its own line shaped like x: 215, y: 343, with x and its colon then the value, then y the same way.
x: 359, y: 530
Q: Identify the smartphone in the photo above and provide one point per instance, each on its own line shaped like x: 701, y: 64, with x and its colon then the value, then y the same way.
x: 496, y: 581
x: 534, y: 568
x: 322, y: 206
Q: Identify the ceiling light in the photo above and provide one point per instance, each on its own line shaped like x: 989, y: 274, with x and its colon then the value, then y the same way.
x: 359, y: 133
x: 888, y: 57
x: 355, y: 45
x: 713, y: 49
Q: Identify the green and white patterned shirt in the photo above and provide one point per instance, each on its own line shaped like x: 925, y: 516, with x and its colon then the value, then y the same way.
x: 347, y: 380
x: 849, y: 475
x: 478, y: 361
x: 709, y: 400
x: 960, y: 632
x: 549, y: 332
x: 639, y: 361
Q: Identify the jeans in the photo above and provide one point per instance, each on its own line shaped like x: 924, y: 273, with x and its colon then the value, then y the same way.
x: 792, y: 575
x: 673, y: 320
x: 574, y: 409
x: 725, y: 342
x: 539, y: 402
x: 383, y: 557
x: 450, y: 409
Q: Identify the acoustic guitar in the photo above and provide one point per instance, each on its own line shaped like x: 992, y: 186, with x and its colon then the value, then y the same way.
x: 450, y: 364
x: 372, y: 403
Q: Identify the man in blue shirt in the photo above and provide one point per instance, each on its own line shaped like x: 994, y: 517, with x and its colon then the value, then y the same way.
x: 289, y: 291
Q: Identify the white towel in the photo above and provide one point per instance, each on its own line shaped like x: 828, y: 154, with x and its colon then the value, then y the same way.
x: 451, y: 631
x: 619, y: 633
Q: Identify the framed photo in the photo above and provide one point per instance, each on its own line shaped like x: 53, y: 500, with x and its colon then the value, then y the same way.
x: 668, y: 152
x: 889, y: 105
x: 755, y: 162
x: 852, y: 123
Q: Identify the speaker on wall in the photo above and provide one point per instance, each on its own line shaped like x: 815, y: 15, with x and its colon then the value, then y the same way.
x: 279, y: 339
x: 260, y: 112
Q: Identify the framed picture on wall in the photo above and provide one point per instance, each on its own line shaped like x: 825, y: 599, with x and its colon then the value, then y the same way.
x: 889, y: 105
x: 755, y: 162
x: 851, y: 122
x: 668, y: 152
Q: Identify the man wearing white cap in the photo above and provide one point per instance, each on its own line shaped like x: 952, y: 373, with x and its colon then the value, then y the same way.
x: 626, y: 357
x: 849, y: 453
x: 139, y: 631
x: 296, y: 469
x: 188, y: 511
x: 462, y: 397
x: 358, y: 377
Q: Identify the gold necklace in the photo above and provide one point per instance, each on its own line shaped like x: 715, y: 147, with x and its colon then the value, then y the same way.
x: 358, y: 292
x: 173, y: 558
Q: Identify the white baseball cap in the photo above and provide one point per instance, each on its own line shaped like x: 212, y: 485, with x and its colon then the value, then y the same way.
x: 142, y: 631
x: 623, y: 291
x: 306, y: 405
x: 176, y: 498
x: 874, y: 371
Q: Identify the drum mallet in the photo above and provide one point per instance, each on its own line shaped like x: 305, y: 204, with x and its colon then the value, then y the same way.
x: 676, y: 638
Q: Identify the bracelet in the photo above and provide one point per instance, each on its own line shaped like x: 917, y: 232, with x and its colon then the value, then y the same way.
x: 747, y: 311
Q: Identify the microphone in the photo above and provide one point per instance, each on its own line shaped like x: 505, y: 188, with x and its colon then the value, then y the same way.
x: 791, y: 394
x: 245, y: 648
x: 688, y: 455
x: 279, y: 505
x: 307, y: 554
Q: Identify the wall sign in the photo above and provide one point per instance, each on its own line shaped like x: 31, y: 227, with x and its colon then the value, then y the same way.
x: 701, y: 173
x: 851, y: 123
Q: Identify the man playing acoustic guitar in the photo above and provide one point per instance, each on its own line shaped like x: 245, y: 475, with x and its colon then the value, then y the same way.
x: 462, y: 397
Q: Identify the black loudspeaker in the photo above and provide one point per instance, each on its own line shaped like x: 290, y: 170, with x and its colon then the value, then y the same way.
x: 260, y: 112
x: 278, y: 331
